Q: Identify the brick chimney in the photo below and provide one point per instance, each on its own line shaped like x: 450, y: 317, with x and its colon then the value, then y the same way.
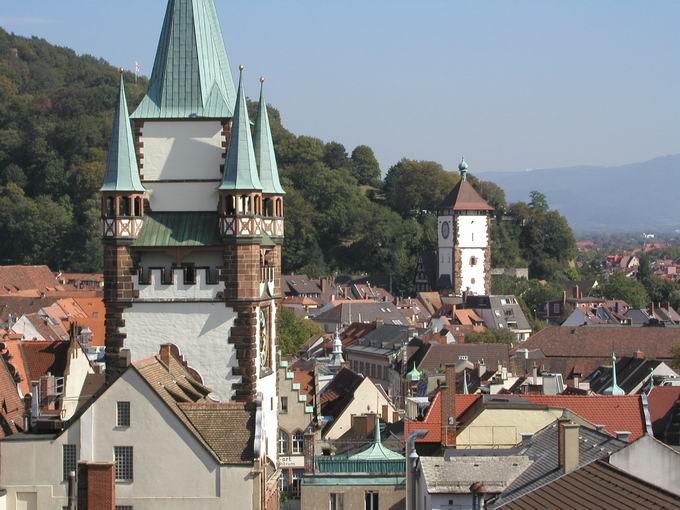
x: 639, y: 354
x: 97, y: 485
x: 308, y: 451
x: 568, y: 447
x: 448, y: 406
x: 166, y: 354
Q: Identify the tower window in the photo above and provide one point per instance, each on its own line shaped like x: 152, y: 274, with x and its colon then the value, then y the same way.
x: 473, y: 237
x: 230, y: 204
x: 125, y: 206
x: 473, y: 261
x: 110, y: 207
x: 138, y: 206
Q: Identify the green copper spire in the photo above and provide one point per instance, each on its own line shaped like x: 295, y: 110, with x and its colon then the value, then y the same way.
x: 377, y: 451
x: 614, y: 389
x: 122, y: 173
x: 413, y: 375
x: 191, y: 76
x: 240, y: 170
x: 264, y: 150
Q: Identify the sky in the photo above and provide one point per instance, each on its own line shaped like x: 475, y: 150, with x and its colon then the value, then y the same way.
x: 511, y: 85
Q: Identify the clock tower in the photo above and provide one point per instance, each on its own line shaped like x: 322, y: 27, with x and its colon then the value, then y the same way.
x: 464, y: 244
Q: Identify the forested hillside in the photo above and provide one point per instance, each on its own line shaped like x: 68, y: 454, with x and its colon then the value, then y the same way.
x: 55, y: 117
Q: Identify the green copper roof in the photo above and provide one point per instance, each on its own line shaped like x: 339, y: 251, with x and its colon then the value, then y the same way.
x: 377, y: 451
x: 122, y: 173
x: 240, y: 169
x: 191, y: 76
x: 264, y: 150
x: 413, y: 375
x: 179, y: 229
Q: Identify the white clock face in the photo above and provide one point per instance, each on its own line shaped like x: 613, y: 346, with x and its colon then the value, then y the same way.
x: 446, y: 230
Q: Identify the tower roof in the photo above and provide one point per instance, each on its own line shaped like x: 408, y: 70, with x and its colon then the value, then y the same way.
x: 614, y: 388
x: 240, y: 170
x: 264, y: 150
x: 122, y: 173
x: 464, y: 197
x: 191, y: 75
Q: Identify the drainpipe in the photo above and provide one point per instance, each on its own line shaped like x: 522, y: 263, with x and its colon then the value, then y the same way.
x: 412, y: 468
x: 72, y: 490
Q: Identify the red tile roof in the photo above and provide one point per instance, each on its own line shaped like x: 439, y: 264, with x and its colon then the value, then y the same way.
x: 27, y: 280
x: 661, y: 402
x: 465, y: 198
x: 432, y: 421
x: 598, y: 342
x: 616, y: 413
x: 43, y: 357
x: 11, y: 405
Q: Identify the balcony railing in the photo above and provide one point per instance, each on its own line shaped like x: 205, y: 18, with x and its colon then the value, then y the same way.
x: 342, y: 464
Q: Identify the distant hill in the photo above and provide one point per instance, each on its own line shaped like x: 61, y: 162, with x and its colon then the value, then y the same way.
x: 636, y: 197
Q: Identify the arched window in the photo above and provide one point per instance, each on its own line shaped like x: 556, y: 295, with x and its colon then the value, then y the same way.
x: 138, y: 206
x: 298, y: 443
x: 125, y: 206
x: 268, y: 207
x: 230, y: 204
x: 110, y: 207
x: 283, y: 443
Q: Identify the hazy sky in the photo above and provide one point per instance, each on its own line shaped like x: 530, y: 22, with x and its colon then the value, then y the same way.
x: 510, y: 84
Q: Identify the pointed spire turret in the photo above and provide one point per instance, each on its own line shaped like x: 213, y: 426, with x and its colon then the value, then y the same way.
x: 122, y: 173
x: 191, y: 77
x: 336, y: 356
x: 240, y: 170
x: 264, y: 150
x: 614, y: 389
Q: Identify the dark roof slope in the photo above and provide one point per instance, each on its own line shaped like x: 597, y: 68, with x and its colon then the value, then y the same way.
x: 630, y: 372
x: 543, y: 451
x: 339, y: 392
x: 438, y: 355
x: 595, y: 486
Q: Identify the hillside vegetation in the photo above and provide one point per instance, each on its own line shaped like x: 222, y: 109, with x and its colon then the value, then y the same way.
x: 56, y: 113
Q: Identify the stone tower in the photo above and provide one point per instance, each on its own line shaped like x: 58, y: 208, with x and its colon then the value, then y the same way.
x: 199, y: 265
x: 464, y: 241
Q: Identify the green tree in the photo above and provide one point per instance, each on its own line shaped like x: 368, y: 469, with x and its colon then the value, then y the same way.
x: 414, y: 186
x: 491, y: 336
x: 538, y: 202
x: 365, y: 167
x: 630, y: 291
x: 293, y: 331
x: 675, y: 354
x: 335, y: 155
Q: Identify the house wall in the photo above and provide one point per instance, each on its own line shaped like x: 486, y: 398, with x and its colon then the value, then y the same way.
x: 190, y: 476
x: 78, y: 368
x: 652, y: 461
x: 458, y: 502
x: 24, y: 326
x: 367, y: 399
x: 375, y: 367
x: 267, y: 386
x: 485, y: 432
x: 200, y: 330
x: 317, y: 497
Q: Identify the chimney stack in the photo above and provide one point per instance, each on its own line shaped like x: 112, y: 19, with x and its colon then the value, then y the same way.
x: 448, y: 406
x: 568, y: 447
x: 308, y: 451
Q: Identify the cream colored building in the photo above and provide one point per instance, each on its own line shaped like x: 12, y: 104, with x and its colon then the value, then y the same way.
x: 170, y: 443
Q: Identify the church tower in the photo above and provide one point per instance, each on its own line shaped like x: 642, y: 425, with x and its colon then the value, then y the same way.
x: 464, y: 240
x: 192, y: 212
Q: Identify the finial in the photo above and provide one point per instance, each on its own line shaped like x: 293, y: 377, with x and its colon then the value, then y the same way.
x: 241, y: 68
x: 261, y: 79
x: 462, y: 167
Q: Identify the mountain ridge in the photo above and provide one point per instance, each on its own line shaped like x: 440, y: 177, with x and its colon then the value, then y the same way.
x: 639, y: 196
